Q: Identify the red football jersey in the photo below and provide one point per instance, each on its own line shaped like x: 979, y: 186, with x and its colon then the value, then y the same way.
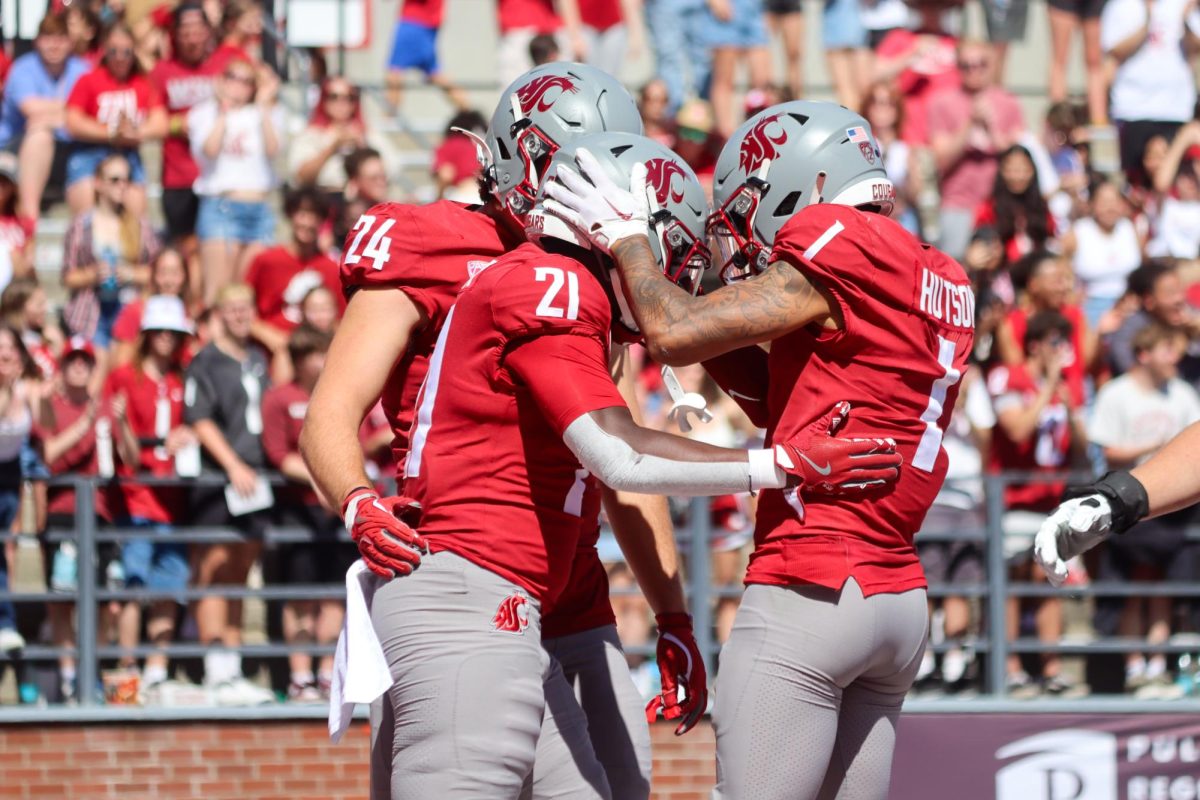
x: 281, y: 280
x: 154, y: 409
x: 908, y: 327
x: 496, y: 482
x: 427, y: 252
x: 1047, y: 450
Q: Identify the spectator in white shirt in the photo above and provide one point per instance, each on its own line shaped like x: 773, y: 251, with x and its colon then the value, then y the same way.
x: 1153, y: 89
x: 1135, y: 415
x: 1104, y: 247
x: 234, y: 137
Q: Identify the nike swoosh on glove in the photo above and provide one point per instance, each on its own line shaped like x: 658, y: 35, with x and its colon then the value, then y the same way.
x: 831, y: 465
x: 388, y: 545
x: 595, y: 205
x: 680, y: 667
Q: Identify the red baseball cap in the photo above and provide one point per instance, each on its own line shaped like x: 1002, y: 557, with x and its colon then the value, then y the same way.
x: 79, y: 345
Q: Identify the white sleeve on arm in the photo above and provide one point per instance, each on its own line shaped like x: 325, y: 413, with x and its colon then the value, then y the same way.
x: 618, y: 466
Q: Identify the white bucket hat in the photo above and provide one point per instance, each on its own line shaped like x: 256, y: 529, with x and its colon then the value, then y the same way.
x: 164, y: 312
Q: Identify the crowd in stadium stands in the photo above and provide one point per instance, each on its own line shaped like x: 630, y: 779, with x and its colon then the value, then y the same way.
x: 190, y: 336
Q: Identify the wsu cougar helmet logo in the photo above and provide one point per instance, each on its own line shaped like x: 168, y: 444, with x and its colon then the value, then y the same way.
x: 512, y: 615
x: 759, y: 144
x: 660, y: 174
x: 534, y: 93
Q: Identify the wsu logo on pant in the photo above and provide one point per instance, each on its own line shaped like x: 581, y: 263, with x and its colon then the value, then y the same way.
x: 512, y: 615
x: 1068, y: 764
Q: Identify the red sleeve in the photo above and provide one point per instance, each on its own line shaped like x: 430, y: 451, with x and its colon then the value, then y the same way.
x: 398, y: 265
x: 567, y: 375
x: 986, y: 214
x: 82, y: 95
x: 829, y: 244
x: 128, y: 323
x: 161, y: 16
x: 274, y: 435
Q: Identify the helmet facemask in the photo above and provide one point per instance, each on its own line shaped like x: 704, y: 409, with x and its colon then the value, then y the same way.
x: 731, y: 230
x: 535, y: 150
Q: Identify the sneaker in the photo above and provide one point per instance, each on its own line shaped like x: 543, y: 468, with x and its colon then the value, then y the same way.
x: 303, y: 692
x: 1160, y: 687
x: 1058, y: 686
x: 70, y: 691
x: 325, y: 687
x: 1020, y: 686
x: 10, y: 640
x: 241, y: 692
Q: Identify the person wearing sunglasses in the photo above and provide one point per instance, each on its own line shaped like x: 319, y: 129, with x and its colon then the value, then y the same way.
x: 317, y: 155
x: 106, y: 258
x: 969, y: 127
x: 235, y: 137
x: 112, y: 109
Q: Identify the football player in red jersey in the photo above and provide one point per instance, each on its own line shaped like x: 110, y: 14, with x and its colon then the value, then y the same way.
x: 403, y: 268
x: 517, y: 424
x: 832, y: 626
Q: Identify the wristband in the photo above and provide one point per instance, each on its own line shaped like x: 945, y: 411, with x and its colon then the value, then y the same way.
x: 1125, y: 494
x: 764, y: 472
x: 350, y: 504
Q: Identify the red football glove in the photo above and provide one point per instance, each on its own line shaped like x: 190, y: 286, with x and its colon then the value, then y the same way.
x: 388, y: 546
x: 679, y: 663
x: 826, y: 464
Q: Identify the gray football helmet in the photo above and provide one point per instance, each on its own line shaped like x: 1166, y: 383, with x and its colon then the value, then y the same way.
x: 678, y: 209
x: 782, y: 159
x: 540, y: 112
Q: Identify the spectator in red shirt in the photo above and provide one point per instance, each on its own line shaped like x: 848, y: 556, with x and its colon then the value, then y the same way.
x: 149, y: 434
x: 969, y: 127
x: 69, y: 448
x: 1038, y: 429
x: 922, y: 62
x: 1017, y: 209
x: 1045, y: 283
x: 455, y: 163
x: 16, y: 229
x: 325, y: 560
x: 185, y: 79
x: 169, y: 276
x: 112, y: 109
x: 283, y: 275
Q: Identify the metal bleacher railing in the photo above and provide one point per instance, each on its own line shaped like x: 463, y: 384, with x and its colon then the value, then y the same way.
x: 694, y: 536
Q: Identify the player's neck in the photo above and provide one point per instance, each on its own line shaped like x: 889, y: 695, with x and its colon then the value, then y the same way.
x: 508, y: 224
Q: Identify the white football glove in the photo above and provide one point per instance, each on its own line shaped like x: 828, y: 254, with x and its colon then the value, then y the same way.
x: 1075, y: 527
x: 596, y: 206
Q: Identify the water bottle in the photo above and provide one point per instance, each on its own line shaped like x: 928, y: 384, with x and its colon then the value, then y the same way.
x: 1189, y: 666
x: 63, y: 572
x: 104, y: 448
x: 110, y: 287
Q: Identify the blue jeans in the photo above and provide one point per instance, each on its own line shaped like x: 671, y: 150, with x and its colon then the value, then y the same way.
x: 9, y: 499
x: 161, y: 566
x: 240, y: 221
x: 679, y: 31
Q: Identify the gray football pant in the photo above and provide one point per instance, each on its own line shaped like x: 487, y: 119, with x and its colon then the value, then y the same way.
x: 467, y: 707
x: 810, y: 689
x: 595, y: 667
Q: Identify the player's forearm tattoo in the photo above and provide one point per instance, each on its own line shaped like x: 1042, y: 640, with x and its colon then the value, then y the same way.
x: 681, y: 326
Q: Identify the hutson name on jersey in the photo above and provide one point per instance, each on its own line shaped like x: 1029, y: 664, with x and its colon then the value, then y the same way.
x: 952, y: 303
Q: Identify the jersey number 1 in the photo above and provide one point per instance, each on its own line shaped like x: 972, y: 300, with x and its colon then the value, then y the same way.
x: 377, y: 246
x: 931, y: 439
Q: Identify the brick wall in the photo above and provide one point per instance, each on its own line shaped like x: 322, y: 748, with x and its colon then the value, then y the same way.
x: 289, y: 760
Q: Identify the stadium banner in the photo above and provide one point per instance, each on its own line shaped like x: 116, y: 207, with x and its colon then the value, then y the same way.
x: 1047, y: 757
